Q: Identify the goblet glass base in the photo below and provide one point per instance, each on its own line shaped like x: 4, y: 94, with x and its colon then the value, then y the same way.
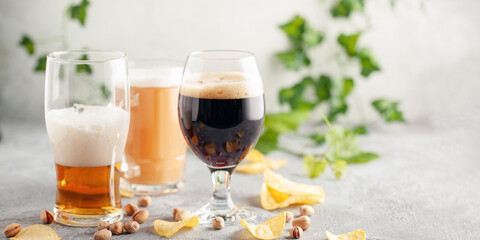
x: 142, y: 189
x: 83, y: 220
x: 231, y: 216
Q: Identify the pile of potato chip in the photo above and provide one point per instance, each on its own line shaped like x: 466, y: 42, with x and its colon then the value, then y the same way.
x: 257, y: 163
x: 279, y: 192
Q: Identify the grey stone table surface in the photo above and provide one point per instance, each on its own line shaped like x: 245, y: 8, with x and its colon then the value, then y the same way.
x: 426, y: 185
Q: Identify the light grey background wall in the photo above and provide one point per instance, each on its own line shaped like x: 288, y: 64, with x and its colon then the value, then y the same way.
x: 429, y: 50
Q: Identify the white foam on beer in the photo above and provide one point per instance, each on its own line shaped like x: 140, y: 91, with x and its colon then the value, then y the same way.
x: 92, y: 137
x: 226, y: 85
x: 167, y: 76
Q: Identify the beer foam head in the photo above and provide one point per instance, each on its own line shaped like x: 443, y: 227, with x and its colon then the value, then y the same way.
x: 222, y: 86
x: 87, y: 136
x: 164, y: 76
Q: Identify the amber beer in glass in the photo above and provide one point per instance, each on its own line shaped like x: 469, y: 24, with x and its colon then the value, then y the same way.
x: 87, y: 124
x: 155, y: 153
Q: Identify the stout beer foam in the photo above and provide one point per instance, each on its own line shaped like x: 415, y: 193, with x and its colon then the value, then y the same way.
x: 87, y: 136
x: 158, y: 77
x: 222, y: 86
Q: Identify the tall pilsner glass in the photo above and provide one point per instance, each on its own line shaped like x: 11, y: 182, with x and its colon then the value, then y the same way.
x: 221, y: 113
x: 87, y: 119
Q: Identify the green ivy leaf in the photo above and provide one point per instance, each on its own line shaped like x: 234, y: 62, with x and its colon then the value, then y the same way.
x: 362, y: 157
x: 84, y: 68
x: 41, y: 64
x: 294, y: 29
x: 389, y: 110
x: 343, y: 8
x: 295, y: 95
x: 360, y: 130
x: 349, y: 43
x: 318, y: 138
x: 294, y: 59
x: 336, y: 106
x: 311, y: 37
x: 313, y: 167
x: 79, y: 11
x: 323, y: 88
x: 368, y: 62
x: 28, y: 44
x: 267, y: 142
x: 339, y: 168
x: 347, y: 87
x: 286, y: 121
x: 105, y: 91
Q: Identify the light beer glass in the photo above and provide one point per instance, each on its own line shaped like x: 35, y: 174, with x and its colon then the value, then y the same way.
x: 221, y: 113
x: 155, y: 153
x: 87, y: 118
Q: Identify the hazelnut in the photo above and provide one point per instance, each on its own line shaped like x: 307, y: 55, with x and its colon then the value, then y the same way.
x: 288, y: 216
x: 303, y: 222
x: 103, y: 234
x: 131, y: 226
x: 103, y: 225
x: 218, y: 223
x: 140, y: 216
x: 46, y: 216
x: 296, y: 232
x: 175, y: 210
x: 144, y: 201
x: 182, y: 215
x: 131, y: 208
x: 116, y: 228
x: 306, y: 210
x: 12, y: 229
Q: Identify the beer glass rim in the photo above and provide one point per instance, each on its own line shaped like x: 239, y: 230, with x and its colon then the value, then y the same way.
x: 221, y: 55
x: 67, y: 56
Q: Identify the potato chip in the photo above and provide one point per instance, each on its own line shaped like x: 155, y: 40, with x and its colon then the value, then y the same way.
x: 258, y: 163
x: 252, y: 167
x: 167, y: 229
x: 126, y: 193
x: 255, y: 156
x: 279, y: 192
x: 358, y: 234
x: 271, y: 229
x: 36, y: 232
x: 284, y: 185
x: 275, y: 164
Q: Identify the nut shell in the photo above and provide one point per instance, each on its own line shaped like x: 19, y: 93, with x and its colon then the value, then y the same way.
x: 140, y: 216
x: 131, y: 208
x: 103, y: 234
x: 296, y: 232
x: 46, y: 216
x: 116, y: 228
x: 175, y: 210
x: 103, y: 225
x: 144, y: 201
x: 306, y: 210
x: 218, y: 223
x: 12, y: 229
x: 182, y: 215
x: 303, y: 222
x: 131, y: 226
x: 288, y: 216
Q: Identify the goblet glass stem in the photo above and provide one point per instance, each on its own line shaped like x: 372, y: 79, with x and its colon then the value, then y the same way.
x: 221, y: 204
x: 221, y: 199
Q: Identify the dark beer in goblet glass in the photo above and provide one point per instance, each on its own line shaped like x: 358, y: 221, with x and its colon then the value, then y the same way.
x: 221, y: 113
